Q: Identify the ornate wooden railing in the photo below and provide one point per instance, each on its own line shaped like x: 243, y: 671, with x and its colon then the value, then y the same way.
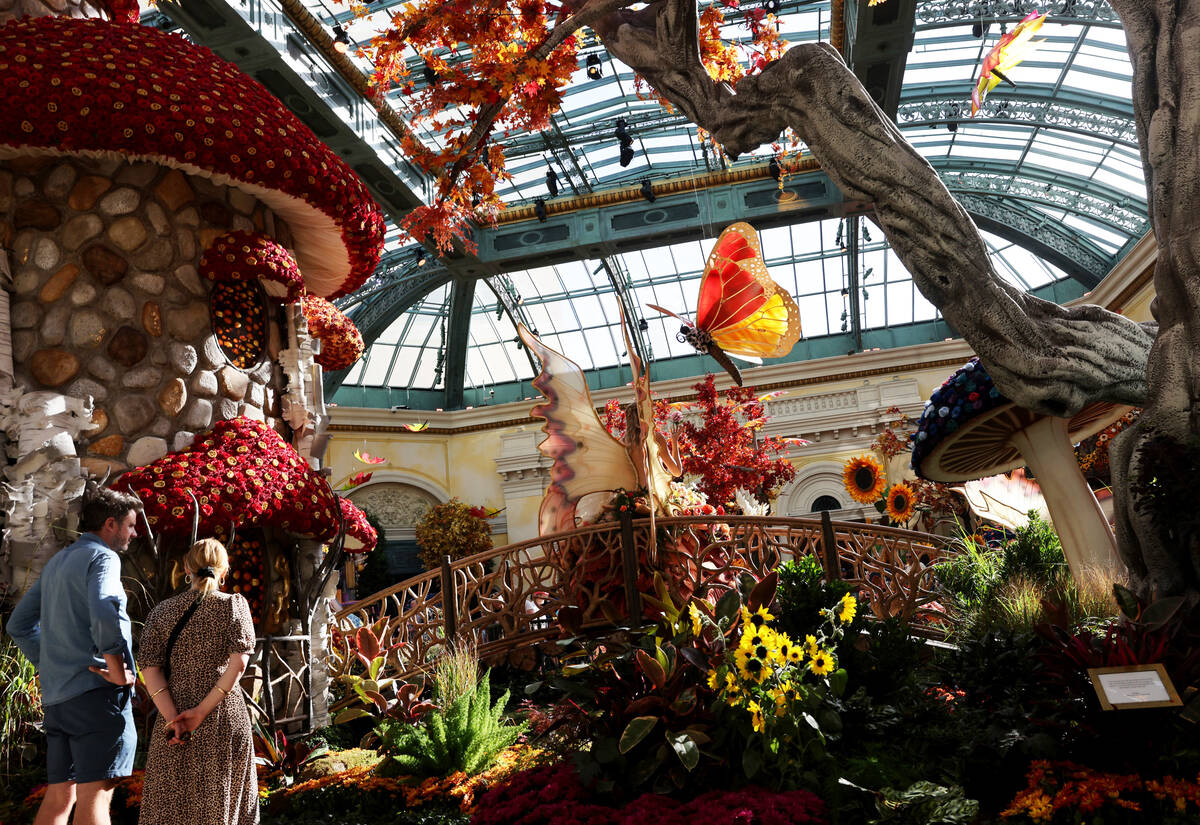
x: 506, y: 600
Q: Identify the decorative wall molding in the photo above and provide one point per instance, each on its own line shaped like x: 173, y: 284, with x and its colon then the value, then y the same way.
x: 821, y: 478
x: 525, y: 471
x: 397, y: 505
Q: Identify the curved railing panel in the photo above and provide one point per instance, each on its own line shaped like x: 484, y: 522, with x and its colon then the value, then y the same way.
x: 506, y: 600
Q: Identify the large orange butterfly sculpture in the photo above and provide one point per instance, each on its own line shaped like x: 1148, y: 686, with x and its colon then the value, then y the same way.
x: 740, y: 311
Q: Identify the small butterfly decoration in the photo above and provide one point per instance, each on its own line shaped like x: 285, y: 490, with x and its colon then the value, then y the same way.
x: 356, y: 480
x: 367, y: 458
x: 1011, y: 49
x: 418, y: 427
x: 740, y: 310
x: 482, y: 512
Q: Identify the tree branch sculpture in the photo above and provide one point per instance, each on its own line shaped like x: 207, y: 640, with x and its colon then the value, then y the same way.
x: 1049, y: 358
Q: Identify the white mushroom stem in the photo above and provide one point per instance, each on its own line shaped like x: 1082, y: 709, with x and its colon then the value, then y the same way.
x: 1087, y: 540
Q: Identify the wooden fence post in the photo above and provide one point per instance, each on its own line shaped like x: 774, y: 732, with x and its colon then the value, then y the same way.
x: 449, y: 607
x: 829, y: 551
x: 629, y: 566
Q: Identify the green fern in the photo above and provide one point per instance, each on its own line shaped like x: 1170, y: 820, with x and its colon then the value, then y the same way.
x: 466, y: 736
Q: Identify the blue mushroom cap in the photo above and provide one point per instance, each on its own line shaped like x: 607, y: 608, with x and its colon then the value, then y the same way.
x: 968, y: 393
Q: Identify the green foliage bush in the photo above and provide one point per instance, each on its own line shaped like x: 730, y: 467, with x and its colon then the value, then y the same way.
x: 464, y: 736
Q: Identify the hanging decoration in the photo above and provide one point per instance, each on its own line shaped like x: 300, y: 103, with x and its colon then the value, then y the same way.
x: 367, y: 458
x: 341, y: 342
x: 1005, y: 56
x: 740, y: 310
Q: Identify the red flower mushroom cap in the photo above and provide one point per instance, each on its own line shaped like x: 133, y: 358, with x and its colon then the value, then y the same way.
x: 341, y: 342
x: 361, y: 537
x: 94, y: 89
x: 241, y: 471
x: 249, y: 256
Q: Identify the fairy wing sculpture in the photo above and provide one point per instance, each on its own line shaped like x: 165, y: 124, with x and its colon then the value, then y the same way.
x: 587, y: 459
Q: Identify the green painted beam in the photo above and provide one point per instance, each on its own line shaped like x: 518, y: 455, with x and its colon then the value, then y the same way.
x: 462, y: 297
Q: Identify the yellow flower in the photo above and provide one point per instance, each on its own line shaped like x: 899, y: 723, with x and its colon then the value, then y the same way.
x: 822, y: 663
x: 783, y: 648
x: 783, y: 695
x: 694, y: 612
x: 899, y: 503
x: 714, y: 679
x: 753, y: 639
x: 849, y: 607
x: 758, y: 618
x: 810, y: 645
x: 751, y: 667
x: 795, y: 655
x: 756, y: 717
x: 864, y: 479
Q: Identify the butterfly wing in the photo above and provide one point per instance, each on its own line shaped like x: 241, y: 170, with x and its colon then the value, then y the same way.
x: 1010, y: 50
x: 367, y: 458
x: 744, y: 311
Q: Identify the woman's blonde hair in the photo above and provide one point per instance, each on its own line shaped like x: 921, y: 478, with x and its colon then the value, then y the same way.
x: 208, y: 553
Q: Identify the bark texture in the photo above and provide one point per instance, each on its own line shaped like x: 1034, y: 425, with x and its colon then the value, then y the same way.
x: 1164, y: 45
x: 1046, y: 357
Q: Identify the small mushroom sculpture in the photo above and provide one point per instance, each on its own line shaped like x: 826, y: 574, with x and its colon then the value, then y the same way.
x: 969, y: 430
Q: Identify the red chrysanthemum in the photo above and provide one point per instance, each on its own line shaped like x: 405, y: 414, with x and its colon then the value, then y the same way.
x: 249, y: 256
x: 341, y: 342
x: 91, y: 88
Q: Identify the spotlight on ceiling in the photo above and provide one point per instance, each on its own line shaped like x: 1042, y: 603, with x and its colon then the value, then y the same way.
x: 341, y: 40
x: 594, y: 69
x: 774, y: 169
x: 539, y: 209
x: 979, y: 28
x: 420, y: 256
x: 626, y: 141
x: 647, y: 190
x: 431, y: 77
x: 771, y: 7
x: 552, y: 182
x: 952, y: 125
x: 643, y: 324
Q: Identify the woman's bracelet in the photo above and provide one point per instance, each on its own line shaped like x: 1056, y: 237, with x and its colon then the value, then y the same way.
x: 160, y: 690
x: 223, y: 690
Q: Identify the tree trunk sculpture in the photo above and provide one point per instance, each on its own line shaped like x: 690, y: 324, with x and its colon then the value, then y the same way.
x: 1046, y: 357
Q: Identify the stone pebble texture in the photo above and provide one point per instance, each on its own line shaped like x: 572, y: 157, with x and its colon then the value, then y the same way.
x: 107, y: 301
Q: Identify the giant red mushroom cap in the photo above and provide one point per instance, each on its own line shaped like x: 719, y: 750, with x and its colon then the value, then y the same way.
x: 90, y: 88
x: 243, y: 472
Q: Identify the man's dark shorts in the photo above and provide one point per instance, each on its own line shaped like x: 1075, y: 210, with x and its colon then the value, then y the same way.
x: 91, y: 736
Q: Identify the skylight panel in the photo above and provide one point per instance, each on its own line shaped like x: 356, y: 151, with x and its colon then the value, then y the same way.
x: 378, y: 365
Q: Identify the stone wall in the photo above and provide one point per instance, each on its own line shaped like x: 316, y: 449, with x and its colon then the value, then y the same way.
x: 11, y: 9
x: 107, y: 301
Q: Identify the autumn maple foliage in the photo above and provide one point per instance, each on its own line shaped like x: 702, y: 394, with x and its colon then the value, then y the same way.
x: 494, y: 67
x: 719, y: 442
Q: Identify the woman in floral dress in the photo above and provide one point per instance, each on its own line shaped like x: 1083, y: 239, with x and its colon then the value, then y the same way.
x: 200, y: 769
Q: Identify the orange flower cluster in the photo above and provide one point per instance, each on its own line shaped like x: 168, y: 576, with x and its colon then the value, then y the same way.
x: 1075, y: 790
x: 341, y: 342
x: 410, y: 792
x: 239, y: 321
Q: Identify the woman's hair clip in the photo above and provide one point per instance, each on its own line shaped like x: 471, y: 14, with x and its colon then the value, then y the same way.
x: 206, y: 573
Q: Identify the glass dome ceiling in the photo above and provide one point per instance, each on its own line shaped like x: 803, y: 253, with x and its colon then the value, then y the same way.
x: 1049, y: 170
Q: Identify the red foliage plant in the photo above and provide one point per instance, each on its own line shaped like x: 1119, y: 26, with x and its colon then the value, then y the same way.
x: 555, y: 796
x: 722, y: 448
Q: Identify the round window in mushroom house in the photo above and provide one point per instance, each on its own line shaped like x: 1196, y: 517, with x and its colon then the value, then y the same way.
x: 239, y: 318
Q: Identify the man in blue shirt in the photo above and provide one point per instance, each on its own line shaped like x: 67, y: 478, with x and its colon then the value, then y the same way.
x: 73, y: 626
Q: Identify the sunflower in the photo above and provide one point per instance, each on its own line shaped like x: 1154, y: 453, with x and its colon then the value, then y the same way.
x: 848, y: 607
x: 783, y: 648
x: 758, y: 618
x: 756, y: 717
x: 714, y: 679
x: 783, y: 695
x: 899, y: 503
x: 864, y: 479
x: 694, y: 613
x: 751, y: 667
x: 810, y: 645
x: 822, y: 663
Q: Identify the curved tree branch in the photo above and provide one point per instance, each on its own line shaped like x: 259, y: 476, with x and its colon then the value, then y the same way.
x: 1049, y: 358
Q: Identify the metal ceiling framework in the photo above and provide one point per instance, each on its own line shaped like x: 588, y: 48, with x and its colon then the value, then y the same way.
x: 1023, y: 202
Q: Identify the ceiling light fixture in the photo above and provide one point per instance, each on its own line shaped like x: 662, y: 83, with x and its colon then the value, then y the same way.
x: 341, y: 40
x: 594, y: 69
x: 626, y: 141
x: 420, y: 256
x: 647, y: 190
x: 643, y: 324
x: 431, y: 77
x: 552, y: 182
x: 774, y: 169
x: 772, y: 7
x: 539, y: 209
